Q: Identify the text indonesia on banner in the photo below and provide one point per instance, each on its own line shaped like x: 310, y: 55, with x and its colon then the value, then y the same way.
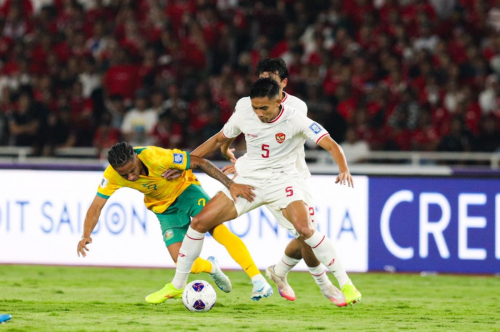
x: 41, y: 222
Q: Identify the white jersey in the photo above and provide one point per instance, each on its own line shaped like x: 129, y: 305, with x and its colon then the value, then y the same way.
x: 301, y: 107
x: 272, y: 147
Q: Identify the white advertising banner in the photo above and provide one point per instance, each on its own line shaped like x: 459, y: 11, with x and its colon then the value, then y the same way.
x: 42, y: 215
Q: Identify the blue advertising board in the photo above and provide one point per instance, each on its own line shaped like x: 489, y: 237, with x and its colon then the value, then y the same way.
x: 434, y: 224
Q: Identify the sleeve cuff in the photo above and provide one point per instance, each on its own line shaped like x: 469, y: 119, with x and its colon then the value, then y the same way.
x: 103, y: 196
x: 322, y: 136
x: 188, y: 161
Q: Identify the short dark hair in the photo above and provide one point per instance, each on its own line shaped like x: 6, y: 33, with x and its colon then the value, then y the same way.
x: 265, y: 87
x: 275, y: 65
x: 120, y: 154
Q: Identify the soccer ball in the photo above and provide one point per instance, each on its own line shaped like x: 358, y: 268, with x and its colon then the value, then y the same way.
x: 199, y: 296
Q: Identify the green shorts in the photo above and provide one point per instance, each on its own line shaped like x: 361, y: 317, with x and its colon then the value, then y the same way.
x: 177, y: 218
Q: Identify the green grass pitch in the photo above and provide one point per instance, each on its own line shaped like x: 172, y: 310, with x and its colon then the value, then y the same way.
x: 42, y: 298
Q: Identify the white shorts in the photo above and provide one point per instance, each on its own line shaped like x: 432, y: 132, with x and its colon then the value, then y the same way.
x: 277, y: 195
x: 308, y: 199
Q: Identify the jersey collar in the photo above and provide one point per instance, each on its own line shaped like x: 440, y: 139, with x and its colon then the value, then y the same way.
x: 284, y: 98
x: 279, y: 115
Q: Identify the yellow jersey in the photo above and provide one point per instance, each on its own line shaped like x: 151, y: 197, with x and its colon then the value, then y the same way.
x: 159, y: 193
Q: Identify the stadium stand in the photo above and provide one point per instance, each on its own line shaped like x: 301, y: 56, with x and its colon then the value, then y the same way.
x: 381, y: 75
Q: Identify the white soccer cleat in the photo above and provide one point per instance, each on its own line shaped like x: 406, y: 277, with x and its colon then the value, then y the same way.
x: 261, y: 289
x: 284, y: 288
x: 221, y: 280
x: 335, y: 296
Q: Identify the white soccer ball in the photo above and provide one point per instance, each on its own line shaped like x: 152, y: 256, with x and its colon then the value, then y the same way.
x: 199, y: 296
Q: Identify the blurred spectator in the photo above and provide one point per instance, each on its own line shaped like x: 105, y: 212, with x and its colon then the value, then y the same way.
x: 425, y: 137
x: 488, y: 139
x: 165, y: 133
x: 82, y: 114
x: 355, y: 150
x: 24, y: 122
x: 3, y: 129
x: 488, y: 98
x: 117, y: 109
x: 138, y: 122
x: 90, y: 79
x: 459, y: 139
x: 106, y: 136
x: 122, y: 77
x: 60, y: 132
x: 157, y: 100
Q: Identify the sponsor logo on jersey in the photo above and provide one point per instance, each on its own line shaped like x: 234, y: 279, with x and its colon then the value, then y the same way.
x: 178, y: 158
x: 252, y: 135
x: 104, y: 183
x: 280, y: 137
x: 316, y: 128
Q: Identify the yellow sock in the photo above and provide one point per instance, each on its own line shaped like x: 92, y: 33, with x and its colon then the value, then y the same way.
x: 201, y: 265
x: 237, y: 249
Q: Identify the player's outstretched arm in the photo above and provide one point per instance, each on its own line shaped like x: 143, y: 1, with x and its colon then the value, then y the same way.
x: 226, y: 151
x: 212, y: 144
x: 213, y: 171
x: 337, y: 153
x: 91, y: 220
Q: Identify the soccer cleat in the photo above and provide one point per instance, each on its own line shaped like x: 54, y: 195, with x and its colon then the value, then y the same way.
x: 284, y: 288
x: 335, y: 296
x: 221, y: 280
x: 352, y: 295
x: 167, y: 292
x: 261, y: 289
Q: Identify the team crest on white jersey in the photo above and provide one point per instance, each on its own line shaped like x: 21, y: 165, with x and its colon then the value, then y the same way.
x: 280, y: 137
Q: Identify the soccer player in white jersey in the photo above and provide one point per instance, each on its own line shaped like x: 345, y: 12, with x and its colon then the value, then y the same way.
x: 273, y: 133
x: 297, y: 248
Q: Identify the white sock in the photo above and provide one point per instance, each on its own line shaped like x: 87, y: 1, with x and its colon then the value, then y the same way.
x: 257, y: 278
x: 319, y: 275
x: 325, y: 252
x: 285, y: 265
x: 189, y: 251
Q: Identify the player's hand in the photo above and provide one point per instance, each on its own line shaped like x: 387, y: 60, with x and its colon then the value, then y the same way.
x: 82, y: 244
x: 229, y: 169
x: 345, y: 177
x: 172, y: 174
x: 229, y: 155
x: 242, y: 190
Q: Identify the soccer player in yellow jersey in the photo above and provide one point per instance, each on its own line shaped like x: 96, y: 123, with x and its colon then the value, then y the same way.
x: 173, y: 202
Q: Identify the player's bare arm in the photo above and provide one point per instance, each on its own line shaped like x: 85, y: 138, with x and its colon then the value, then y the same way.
x: 212, y: 144
x: 91, y: 220
x: 213, y: 171
x: 226, y: 151
x: 337, y: 153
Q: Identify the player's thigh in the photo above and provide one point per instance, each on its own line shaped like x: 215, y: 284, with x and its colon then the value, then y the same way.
x: 286, y: 197
x: 309, y: 200
x: 282, y: 221
x: 297, y: 213
x: 218, y: 210
x: 243, y: 206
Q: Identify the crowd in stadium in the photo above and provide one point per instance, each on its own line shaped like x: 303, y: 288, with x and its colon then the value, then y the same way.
x: 384, y: 74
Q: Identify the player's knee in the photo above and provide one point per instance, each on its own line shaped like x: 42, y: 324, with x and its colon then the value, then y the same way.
x: 305, y: 231
x: 199, y: 224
